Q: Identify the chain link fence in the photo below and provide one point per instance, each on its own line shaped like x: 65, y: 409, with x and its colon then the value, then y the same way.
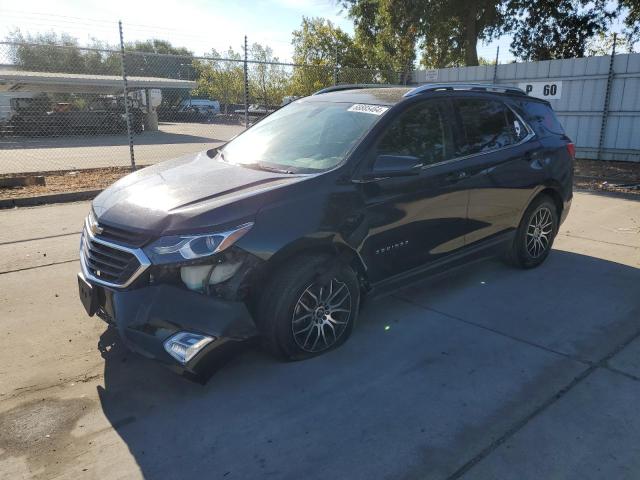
x: 63, y: 108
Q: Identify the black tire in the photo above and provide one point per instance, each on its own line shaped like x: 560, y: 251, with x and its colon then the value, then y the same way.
x: 531, y: 246
x: 280, y: 312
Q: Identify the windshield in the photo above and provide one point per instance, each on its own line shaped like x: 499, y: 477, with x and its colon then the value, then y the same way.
x: 302, y: 137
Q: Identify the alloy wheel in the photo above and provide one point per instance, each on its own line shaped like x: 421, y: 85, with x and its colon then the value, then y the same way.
x: 321, y: 315
x: 539, y: 232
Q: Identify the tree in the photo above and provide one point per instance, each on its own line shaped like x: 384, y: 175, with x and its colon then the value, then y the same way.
x: 320, y: 49
x: 446, y: 29
x: 552, y: 29
x: 631, y: 10
x: 49, y: 52
x: 220, y: 79
x: 387, y: 32
x: 268, y: 81
x: 603, y: 45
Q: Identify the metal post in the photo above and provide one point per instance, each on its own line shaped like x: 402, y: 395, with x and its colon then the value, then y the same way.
x: 126, y: 97
x: 607, y: 96
x: 246, y: 86
x: 495, y: 66
x: 335, y: 66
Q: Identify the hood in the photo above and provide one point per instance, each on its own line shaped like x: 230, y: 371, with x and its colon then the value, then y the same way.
x: 189, y: 194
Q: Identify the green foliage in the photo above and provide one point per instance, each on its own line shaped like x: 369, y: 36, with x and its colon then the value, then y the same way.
x: 221, y: 80
x: 321, y: 47
x: 48, y: 52
x: 553, y: 29
x: 387, y: 32
x: 268, y: 82
x: 446, y: 30
x: 602, y: 44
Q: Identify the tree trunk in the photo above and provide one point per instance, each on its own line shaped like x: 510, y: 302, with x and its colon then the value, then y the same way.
x: 470, y: 39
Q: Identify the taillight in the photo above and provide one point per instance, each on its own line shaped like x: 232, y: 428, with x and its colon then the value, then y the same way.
x: 571, y: 148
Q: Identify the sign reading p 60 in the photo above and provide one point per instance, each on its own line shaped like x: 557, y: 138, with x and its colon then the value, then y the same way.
x: 546, y: 90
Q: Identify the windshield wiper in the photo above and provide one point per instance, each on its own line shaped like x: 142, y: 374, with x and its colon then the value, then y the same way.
x: 268, y: 168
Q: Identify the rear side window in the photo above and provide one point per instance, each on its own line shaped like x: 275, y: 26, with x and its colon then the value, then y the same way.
x: 422, y: 131
x: 542, y: 115
x: 486, y: 125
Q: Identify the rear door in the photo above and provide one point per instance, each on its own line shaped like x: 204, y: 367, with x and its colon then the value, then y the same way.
x: 502, y: 166
x: 415, y: 219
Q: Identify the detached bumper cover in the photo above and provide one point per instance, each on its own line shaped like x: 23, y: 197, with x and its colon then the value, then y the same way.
x: 146, y: 317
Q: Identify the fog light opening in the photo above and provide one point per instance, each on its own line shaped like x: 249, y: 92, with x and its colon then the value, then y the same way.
x: 183, y: 346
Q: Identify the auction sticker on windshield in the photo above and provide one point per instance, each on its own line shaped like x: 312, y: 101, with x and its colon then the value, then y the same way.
x: 363, y: 108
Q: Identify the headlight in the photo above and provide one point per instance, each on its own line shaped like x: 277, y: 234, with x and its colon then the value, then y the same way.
x: 178, y: 248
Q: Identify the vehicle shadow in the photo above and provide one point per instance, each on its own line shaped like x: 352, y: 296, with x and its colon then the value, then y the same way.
x: 410, y: 390
x: 107, y: 140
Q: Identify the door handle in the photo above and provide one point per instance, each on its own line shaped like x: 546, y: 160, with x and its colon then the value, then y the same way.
x: 456, y: 176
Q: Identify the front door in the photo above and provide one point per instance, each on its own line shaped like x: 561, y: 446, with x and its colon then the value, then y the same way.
x: 415, y: 219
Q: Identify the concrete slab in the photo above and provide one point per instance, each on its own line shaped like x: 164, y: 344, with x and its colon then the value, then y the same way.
x: 604, y: 218
x: 406, y: 401
x: 36, y: 253
x: 593, y: 432
x: 19, y: 155
x: 46, y: 337
x: 418, y: 399
x: 628, y: 360
x: 582, y: 301
x: 575, y: 304
x: 20, y: 224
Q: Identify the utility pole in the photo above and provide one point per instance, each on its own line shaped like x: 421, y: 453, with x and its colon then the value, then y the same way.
x: 495, y: 66
x: 125, y: 89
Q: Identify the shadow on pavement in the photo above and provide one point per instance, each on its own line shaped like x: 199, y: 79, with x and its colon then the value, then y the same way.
x: 79, y: 141
x: 414, y: 394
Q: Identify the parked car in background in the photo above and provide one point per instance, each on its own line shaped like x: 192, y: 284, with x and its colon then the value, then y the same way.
x: 282, y: 231
x: 256, y: 110
x: 190, y: 110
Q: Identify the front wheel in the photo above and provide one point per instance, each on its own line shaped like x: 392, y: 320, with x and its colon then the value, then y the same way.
x: 309, y: 307
x: 536, y: 232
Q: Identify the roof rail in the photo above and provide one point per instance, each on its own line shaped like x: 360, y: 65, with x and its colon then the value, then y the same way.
x: 354, y: 86
x: 430, y: 87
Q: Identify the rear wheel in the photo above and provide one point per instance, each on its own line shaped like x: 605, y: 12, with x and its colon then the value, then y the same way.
x: 309, y: 307
x: 535, y: 235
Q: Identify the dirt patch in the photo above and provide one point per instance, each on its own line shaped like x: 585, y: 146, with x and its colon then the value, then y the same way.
x: 66, y: 181
x: 40, y: 432
x: 589, y: 174
x: 607, y: 176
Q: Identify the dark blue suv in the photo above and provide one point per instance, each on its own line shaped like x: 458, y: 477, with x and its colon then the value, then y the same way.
x: 280, y: 232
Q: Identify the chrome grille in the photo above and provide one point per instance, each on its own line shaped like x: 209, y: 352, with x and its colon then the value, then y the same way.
x: 110, y: 264
x: 119, y: 235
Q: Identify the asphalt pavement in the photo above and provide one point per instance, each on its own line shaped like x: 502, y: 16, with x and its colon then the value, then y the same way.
x: 485, y: 373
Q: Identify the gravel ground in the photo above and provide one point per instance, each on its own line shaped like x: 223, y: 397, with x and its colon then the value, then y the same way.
x: 590, y: 175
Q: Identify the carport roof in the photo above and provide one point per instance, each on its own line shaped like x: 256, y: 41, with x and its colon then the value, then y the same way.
x: 18, y: 80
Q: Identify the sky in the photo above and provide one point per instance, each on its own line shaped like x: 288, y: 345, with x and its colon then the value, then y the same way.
x: 199, y: 25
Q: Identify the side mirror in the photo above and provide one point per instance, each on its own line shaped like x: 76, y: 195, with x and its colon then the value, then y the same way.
x: 387, y: 166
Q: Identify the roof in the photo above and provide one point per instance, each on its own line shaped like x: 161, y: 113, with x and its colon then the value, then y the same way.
x: 371, y: 96
x: 18, y: 80
x: 385, y: 95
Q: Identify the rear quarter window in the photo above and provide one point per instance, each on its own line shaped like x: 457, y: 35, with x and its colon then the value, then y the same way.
x: 542, y: 115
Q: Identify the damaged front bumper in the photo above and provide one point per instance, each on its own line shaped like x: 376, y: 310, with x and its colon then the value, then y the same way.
x: 147, y: 317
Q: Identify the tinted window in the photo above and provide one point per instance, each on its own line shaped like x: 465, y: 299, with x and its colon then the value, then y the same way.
x: 420, y: 132
x: 486, y: 125
x: 544, y: 116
